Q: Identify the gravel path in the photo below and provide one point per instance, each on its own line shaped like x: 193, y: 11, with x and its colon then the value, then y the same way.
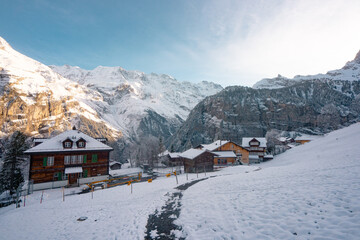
x: 160, y: 225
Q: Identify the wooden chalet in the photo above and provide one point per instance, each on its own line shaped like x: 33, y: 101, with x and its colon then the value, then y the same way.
x: 227, y: 152
x: 256, y: 147
x: 197, y: 160
x: 70, y: 158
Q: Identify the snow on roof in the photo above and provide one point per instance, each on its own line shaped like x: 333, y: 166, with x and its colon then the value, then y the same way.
x: 73, y: 170
x: 113, y: 163
x: 55, y: 144
x: 39, y: 140
x: 225, y: 154
x: 192, y: 153
x: 174, y: 154
x: 253, y: 157
x: 214, y: 145
x: 246, y: 141
x: 308, y: 137
x: 269, y: 156
x: 164, y: 153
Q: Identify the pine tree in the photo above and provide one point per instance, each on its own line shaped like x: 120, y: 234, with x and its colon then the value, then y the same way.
x: 10, y: 175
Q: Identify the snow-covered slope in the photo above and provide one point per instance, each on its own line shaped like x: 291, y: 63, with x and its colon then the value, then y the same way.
x: 132, y: 95
x: 309, y: 192
x: 350, y: 72
x: 35, y: 98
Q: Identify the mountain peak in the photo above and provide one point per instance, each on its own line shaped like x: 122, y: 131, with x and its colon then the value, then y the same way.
x: 4, y: 44
x: 357, y: 57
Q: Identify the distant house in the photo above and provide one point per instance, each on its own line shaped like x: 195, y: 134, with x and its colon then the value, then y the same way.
x: 197, y: 160
x: 226, y: 152
x: 171, y: 159
x: 306, y: 138
x: 256, y: 147
x: 302, y: 140
x: 114, y: 165
x: 70, y: 158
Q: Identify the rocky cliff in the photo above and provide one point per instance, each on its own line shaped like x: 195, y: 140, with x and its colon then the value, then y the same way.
x: 311, y: 106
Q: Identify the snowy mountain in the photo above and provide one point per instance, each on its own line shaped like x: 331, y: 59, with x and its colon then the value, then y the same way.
x: 350, y: 72
x: 141, y: 104
x: 122, y: 105
x: 37, y: 100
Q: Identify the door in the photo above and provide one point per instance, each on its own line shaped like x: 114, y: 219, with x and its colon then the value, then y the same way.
x: 73, y: 178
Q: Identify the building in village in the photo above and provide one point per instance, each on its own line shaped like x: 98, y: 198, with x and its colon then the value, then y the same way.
x: 197, y: 160
x: 171, y: 159
x: 114, y: 165
x: 226, y: 152
x: 256, y: 147
x: 70, y: 158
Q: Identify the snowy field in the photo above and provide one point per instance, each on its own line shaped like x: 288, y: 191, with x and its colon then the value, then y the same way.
x: 309, y: 192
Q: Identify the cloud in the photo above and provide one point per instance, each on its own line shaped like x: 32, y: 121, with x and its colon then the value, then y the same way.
x: 251, y: 40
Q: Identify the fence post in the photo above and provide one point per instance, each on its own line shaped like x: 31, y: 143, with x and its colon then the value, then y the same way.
x: 42, y: 194
x: 131, y: 185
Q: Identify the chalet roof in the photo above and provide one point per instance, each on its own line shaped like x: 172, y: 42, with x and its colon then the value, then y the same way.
x: 114, y: 163
x: 308, y: 137
x: 225, y: 154
x: 246, y: 141
x: 214, y: 145
x: 175, y: 155
x: 164, y: 153
x: 55, y: 144
x: 253, y: 157
x: 192, y: 153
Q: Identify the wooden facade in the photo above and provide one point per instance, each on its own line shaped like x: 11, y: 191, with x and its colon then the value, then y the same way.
x: 242, y: 154
x: 201, y: 163
x: 69, y: 158
x: 256, y: 151
x: 93, y: 163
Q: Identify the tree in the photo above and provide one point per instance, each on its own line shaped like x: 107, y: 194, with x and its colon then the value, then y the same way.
x: 10, y: 175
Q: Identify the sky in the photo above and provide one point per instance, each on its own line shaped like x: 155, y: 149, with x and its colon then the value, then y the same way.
x: 230, y: 42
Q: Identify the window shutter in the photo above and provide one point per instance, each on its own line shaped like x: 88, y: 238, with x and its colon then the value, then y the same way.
x: 59, y: 176
x: 85, y: 173
x: 85, y: 158
x: 44, y: 161
x: 94, y: 158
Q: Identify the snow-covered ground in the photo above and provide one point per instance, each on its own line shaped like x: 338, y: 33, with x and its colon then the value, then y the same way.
x: 309, y: 192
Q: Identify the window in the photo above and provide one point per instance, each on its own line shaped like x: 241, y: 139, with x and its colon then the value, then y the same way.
x: 80, y: 159
x: 57, y: 176
x: 67, y: 160
x: 73, y: 159
x: 94, y: 158
x: 50, y: 161
x: 81, y: 144
x: 67, y: 144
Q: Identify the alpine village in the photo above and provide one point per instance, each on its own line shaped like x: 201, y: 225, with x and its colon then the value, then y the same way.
x: 223, y: 147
